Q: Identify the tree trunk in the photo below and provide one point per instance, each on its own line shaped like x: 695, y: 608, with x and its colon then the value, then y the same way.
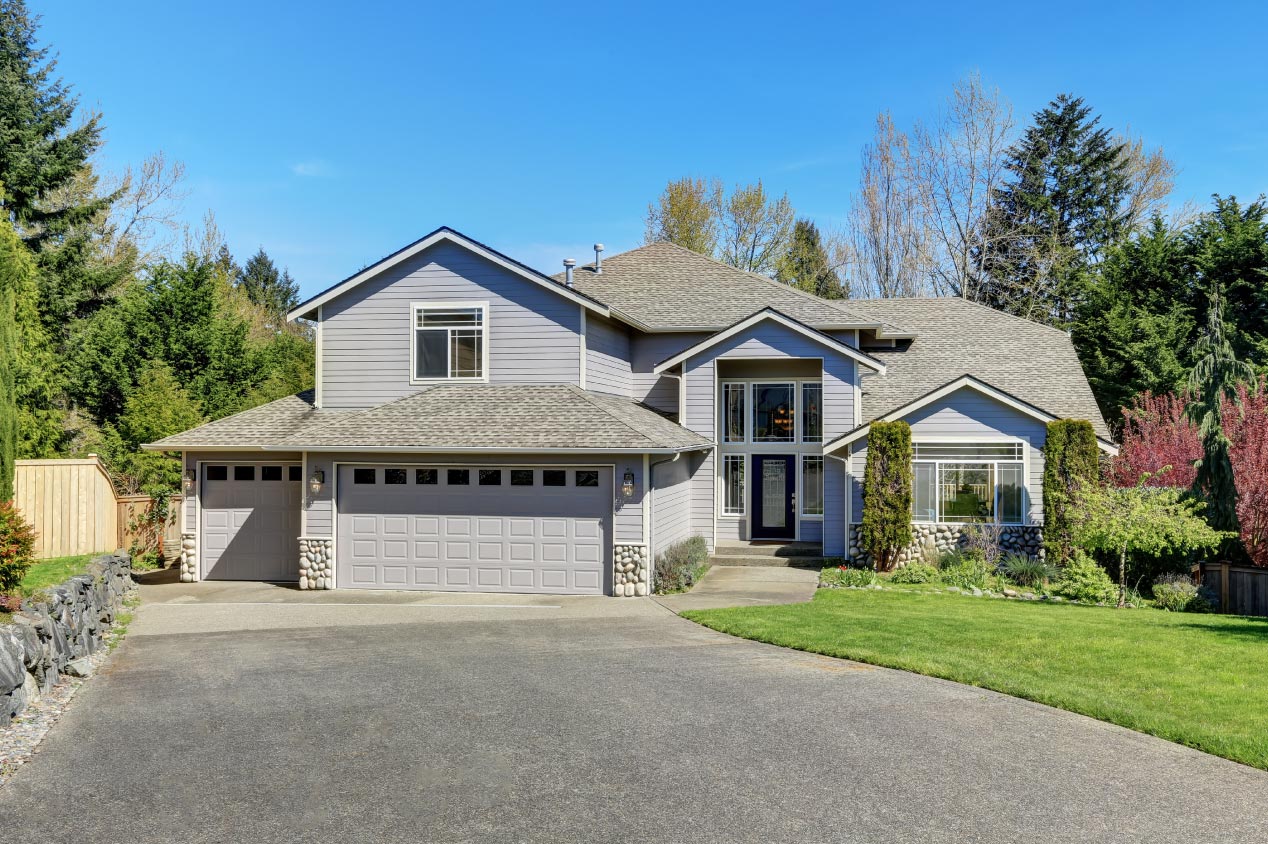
x: 1122, y: 577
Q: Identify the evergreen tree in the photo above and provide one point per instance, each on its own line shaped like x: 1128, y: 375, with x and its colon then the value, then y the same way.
x: 276, y: 292
x: 13, y: 263
x: 806, y: 265
x: 1228, y: 248
x: 158, y: 408
x: 1214, y: 379
x: 1135, y: 325
x: 39, y: 151
x: 1056, y: 214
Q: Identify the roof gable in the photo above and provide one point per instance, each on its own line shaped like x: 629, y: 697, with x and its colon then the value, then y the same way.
x: 964, y: 382
x: 444, y: 234
x: 771, y: 315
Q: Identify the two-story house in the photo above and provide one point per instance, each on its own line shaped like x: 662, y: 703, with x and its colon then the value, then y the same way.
x: 479, y: 426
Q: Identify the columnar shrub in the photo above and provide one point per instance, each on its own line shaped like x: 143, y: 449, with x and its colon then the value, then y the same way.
x: 17, y: 542
x: 1070, y: 461
x: 887, y: 485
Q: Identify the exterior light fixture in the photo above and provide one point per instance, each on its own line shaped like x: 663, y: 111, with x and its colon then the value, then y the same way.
x: 188, y: 480
x: 317, y: 480
x: 627, y: 485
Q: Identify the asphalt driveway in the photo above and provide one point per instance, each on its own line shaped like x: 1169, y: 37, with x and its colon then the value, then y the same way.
x: 253, y: 713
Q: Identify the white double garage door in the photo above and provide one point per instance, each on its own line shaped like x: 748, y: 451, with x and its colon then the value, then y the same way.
x: 474, y: 528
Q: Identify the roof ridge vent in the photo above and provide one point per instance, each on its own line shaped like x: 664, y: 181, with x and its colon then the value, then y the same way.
x: 569, y: 263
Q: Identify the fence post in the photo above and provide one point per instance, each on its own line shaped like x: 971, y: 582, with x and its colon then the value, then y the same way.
x: 1224, y: 596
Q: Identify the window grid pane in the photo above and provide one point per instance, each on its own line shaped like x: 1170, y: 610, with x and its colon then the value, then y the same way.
x: 733, y: 402
x: 812, y: 413
x: 733, y: 484
x: 966, y: 492
x: 925, y: 493
x: 449, y: 343
x: 812, y: 486
x: 773, y: 406
x: 967, y: 451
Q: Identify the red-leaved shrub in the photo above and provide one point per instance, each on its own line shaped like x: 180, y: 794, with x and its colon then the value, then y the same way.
x: 1156, y: 435
x: 17, y: 542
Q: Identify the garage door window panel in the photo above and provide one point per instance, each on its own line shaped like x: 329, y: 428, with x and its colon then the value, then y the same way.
x: 554, y: 477
x: 217, y: 473
x: 490, y: 477
x: 244, y: 473
x: 521, y: 477
x: 270, y: 473
x: 363, y: 476
x: 458, y: 477
x: 426, y: 477
x: 395, y: 477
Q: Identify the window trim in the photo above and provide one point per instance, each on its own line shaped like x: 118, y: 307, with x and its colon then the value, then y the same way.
x: 801, y: 486
x: 742, y: 512
x: 1022, y: 443
x: 416, y: 307
x: 746, y: 391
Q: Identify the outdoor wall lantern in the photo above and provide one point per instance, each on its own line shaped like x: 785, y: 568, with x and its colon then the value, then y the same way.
x: 188, y: 480
x: 627, y: 485
x: 316, y: 482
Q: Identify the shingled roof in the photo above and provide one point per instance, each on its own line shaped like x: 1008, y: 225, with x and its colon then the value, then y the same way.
x: 260, y: 426
x: 1035, y: 363
x: 664, y: 287
x: 507, y: 417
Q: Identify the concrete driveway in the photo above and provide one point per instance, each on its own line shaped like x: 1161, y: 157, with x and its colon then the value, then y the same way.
x: 255, y: 713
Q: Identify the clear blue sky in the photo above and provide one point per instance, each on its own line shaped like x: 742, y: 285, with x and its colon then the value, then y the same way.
x: 334, y: 133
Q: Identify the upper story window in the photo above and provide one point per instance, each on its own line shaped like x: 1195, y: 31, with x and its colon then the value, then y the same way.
x: 774, y: 409
x: 450, y: 341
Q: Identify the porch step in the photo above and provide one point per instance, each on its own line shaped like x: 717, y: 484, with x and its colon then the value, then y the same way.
x: 755, y: 560
x: 776, y: 548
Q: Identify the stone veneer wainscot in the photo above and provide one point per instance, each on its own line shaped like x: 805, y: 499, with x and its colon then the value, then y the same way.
x: 316, y: 562
x: 631, y: 571
x: 1015, y: 539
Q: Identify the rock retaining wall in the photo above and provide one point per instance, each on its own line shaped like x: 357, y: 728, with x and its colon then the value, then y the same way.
x: 1016, y: 539
x: 316, y: 562
x: 52, y: 634
x: 631, y: 569
x: 189, y: 558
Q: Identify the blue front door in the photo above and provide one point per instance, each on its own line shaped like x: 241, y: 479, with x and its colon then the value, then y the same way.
x: 772, y: 491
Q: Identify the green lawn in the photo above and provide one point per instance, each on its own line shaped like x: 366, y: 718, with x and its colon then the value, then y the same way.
x: 50, y: 572
x: 1200, y: 680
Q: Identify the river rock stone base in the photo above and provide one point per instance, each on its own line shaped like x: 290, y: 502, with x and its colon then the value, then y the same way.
x: 630, y: 571
x: 59, y: 631
x: 189, y: 558
x: 316, y: 563
x: 1015, y: 539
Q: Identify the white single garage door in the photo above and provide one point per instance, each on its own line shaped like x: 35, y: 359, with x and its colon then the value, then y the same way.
x: 250, y: 521
x: 475, y: 528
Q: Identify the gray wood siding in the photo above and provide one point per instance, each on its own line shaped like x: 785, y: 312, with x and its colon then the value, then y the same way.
x: 647, y: 350
x: 607, y: 357
x: 833, y: 526
x: 968, y: 413
x: 533, y: 334
x: 628, y: 521
x: 766, y: 340
x: 671, y: 502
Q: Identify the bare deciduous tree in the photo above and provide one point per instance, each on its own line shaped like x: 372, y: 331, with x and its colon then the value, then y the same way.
x: 756, y: 230
x: 887, y: 242
x: 1151, y: 177
x: 955, y: 165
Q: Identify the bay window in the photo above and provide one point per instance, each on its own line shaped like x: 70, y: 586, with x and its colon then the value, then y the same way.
x: 450, y: 342
x: 969, y: 482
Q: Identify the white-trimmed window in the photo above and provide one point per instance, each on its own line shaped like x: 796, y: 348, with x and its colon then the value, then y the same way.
x: 450, y: 342
x: 969, y: 482
x: 733, y: 484
x: 811, y: 485
x: 774, y: 413
x: 734, y: 412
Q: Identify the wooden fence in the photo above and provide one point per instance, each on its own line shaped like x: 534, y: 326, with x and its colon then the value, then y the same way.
x: 74, y: 508
x: 1242, y: 590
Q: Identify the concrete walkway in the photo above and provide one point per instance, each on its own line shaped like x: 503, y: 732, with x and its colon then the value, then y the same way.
x: 745, y: 586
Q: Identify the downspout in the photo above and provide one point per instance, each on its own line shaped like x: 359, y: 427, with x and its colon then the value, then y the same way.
x: 651, y: 524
